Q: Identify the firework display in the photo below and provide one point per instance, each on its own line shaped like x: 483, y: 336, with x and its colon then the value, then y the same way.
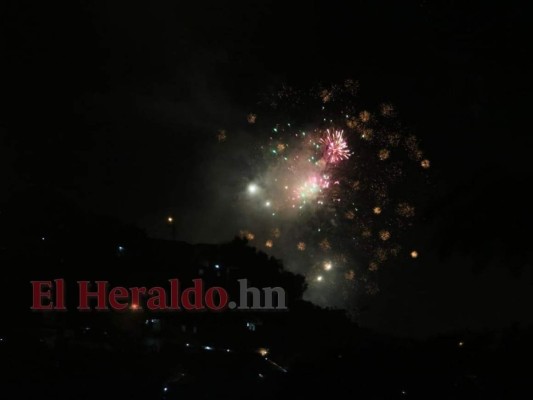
x: 331, y: 189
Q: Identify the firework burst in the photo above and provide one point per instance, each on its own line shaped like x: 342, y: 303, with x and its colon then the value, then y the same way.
x: 333, y: 193
x: 335, y: 147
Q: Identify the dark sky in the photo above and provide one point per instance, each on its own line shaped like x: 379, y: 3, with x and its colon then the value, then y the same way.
x: 117, y: 105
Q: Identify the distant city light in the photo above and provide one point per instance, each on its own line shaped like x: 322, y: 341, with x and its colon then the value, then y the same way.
x: 319, y: 278
x: 170, y: 220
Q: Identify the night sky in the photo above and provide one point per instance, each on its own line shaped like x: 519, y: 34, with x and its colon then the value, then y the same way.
x: 117, y: 107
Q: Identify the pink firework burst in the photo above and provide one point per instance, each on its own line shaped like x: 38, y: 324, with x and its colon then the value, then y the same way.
x: 335, y: 147
x: 312, y: 187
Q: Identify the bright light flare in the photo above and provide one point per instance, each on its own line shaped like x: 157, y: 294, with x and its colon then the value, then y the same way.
x: 262, y: 351
x: 253, y: 188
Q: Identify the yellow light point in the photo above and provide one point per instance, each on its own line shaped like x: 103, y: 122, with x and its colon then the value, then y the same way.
x: 324, y: 245
x: 319, y: 278
x: 384, y: 154
x: 367, y: 134
x: 301, y: 246
x: 364, y: 116
x: 377, y: 210
x: 328, y: 265
x: 425, y: 164
x: 350, y: 275
x: 170, y: 220
x: 461, y: 344
x: 414, y: 254
x: 262, y: 351
x: 269, y: 243
x: 325, y: 95
x: 351, y: 123
x: 384, y: 235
